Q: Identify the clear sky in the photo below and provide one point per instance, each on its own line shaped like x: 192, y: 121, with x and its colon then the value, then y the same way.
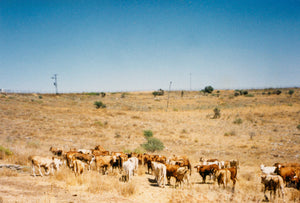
x: 119, y: 45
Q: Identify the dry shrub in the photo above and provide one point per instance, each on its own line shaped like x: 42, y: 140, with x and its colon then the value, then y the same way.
x: 127, y: 189
x: 294, y: 195
x: 8, y: 172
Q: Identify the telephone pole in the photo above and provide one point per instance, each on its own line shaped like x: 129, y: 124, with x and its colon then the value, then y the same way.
x: 55, y: 82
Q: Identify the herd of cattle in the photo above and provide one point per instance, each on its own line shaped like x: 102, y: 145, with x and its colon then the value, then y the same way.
x: 273, y: 178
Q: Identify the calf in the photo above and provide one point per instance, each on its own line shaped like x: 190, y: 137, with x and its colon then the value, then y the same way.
x: 272, y: 183
x: 206, y: 170
x: 159, y: 171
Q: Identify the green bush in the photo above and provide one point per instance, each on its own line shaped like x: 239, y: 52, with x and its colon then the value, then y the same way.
x: 291, y: 92
x: 6, y: 151
x: 153, y: 144
x: 298, y: 126
x: 160, y: 92
x: 148, y: 133
x: 99, y: 104
x: 208, y: 89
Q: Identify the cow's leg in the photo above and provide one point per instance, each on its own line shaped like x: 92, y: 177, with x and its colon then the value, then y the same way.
x: 40, y: 170
x: 33, y: 170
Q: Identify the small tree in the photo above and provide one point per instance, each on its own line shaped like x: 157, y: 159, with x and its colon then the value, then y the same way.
x: 153, y: 144
x: 291, y: 92
x: 160, y: 92
x: 208, y: 89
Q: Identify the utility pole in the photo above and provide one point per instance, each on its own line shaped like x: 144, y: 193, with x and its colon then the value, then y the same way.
x: 169, y: 94
x: 55, y: 82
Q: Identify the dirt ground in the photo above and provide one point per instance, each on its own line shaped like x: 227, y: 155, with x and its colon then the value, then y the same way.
x: 260, y: 128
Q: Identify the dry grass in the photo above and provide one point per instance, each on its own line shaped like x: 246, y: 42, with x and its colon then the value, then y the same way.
x: 255, y: 130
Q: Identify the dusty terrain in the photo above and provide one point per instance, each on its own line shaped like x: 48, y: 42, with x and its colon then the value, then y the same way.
x: 255, y: 129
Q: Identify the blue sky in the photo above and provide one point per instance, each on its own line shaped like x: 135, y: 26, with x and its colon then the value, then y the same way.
x: 109, y: 45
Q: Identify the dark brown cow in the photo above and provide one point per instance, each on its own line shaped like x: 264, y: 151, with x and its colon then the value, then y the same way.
x: 171, y: 171
x: 287, y: 173
x: 206, y: 170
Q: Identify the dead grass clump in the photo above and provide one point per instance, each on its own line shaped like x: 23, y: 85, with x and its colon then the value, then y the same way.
x: 127, y: 189
x: 231, y: 133
x: 8, y: 172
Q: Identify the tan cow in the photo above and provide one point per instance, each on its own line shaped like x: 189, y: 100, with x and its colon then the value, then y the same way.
x: 272, y: 183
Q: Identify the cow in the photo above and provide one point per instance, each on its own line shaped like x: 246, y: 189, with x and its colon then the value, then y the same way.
x: 181, y: 175
x: 100, y: 148
x: 117, y: 162
x: 160, y: 172
x: 182, y: 161
x: 233, y: 176
x: 103, y: 163
x: 267, y: 170
x: 205, y: 170
x: 68, y: 157
x: 171, y: 171
x: 223, y: 176
x: 99, y: 153
x: 56, y: 151
x: 87, y: 158
x: 128, y: 167
x: 45, y: 162
x: 135, y: 162
x: 272, y: 183
x: 79, y: 166
x: 287, y: 173
x: 234, y: 163
x: 85, y: 151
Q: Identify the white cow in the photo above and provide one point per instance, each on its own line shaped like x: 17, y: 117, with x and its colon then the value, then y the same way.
x: 128, y: 167
x: 45, y: 162
x: 135, y: 161
x: 160, y: 173
x: 268, y: 170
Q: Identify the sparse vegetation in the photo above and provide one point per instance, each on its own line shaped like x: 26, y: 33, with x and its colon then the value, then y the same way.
x: 217, y: 113
x: 5, y: 151
x: 291, y: 92
x: 298, y: 127
x: 160, y: 92
x: 238, y: 121
x: 148, y: 133
x: 99, y: 104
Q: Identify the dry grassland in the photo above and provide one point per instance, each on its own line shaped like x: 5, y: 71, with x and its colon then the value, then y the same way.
x: 256, y: 129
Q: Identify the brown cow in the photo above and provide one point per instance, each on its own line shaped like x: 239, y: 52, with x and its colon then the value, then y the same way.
x: 87, y: 158
x: 233, y: 175
x: 103, y: 163
x: 171, y: 171
x: 100, y: 148
x: 287, y: 173
x: 56, y: 151
x: 206, y: 170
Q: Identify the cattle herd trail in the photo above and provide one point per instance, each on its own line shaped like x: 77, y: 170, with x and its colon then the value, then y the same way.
x: 255, y: 130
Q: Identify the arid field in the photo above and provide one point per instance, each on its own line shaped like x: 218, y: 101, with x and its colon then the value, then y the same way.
x: 258, y: 128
